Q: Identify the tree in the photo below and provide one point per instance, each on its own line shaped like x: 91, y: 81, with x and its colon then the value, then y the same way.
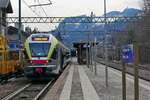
x: 35, y: 30
x: 146, y: 7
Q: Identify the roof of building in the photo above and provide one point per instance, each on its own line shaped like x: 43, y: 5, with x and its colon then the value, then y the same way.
x: 6, y: 4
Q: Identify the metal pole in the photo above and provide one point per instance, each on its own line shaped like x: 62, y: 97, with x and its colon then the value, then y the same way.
x: 88, y: 41
x: 92, y: 59
x: 95, y: 54
x: 91, y: 46
x: 106, y: 55
x: 19, y: 27
x: 123, y: 82
x: 87, y: 57
x: 19, y: 31
x: 91, y: 56
x: 136, y: 73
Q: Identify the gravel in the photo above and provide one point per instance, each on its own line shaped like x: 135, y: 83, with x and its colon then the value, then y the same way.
x: 11, y: 85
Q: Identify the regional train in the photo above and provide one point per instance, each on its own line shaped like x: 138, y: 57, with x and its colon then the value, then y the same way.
x: 46, y: 57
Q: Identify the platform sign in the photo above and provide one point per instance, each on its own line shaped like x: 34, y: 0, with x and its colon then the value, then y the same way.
x: 86, y: 46
x: 128, y: 53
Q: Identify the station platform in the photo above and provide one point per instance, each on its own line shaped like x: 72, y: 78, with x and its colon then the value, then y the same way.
x: 80, y: 83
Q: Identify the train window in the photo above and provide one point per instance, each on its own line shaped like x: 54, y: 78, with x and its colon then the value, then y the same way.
x: 39, y: 49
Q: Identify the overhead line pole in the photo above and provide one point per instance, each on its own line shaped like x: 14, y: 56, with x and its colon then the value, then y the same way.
x: 19, y: 32
x: 105, y: 45
x: 19, y: 27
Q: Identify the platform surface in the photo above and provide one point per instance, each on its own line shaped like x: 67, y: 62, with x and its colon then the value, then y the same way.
x: 81, y: 83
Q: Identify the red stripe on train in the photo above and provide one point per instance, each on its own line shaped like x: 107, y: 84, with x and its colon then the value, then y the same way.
x: 39, y: 61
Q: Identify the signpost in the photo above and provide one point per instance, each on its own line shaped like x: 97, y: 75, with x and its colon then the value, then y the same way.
x: 127, y: 57
x: 130, y: 55
x: 136, y: 73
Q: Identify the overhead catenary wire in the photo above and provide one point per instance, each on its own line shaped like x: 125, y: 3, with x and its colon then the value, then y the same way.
x: 35, y: 11
x: 41, y: 4
x: 31, y: 8
x: 43, y: 9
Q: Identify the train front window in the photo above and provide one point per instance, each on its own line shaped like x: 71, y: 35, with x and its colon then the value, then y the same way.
x: 39, y: 49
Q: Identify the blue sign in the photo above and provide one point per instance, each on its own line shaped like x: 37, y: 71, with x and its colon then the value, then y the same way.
x: 127, y: 54
x: 86, y: 46
x: 11, y: 45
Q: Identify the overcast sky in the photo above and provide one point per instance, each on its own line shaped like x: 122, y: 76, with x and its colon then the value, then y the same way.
x: 73, y: 7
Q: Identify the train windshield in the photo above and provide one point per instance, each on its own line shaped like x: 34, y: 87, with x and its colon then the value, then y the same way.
x: 39, y: 49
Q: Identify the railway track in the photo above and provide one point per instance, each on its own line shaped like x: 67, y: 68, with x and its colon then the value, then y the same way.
x: 31, y: 91
x: 111, y: 63
x: 144, y: 71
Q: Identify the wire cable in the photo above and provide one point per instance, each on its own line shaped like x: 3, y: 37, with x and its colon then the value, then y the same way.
x: 43, y: 9
x: 31, y: 9
x: 34, y: 11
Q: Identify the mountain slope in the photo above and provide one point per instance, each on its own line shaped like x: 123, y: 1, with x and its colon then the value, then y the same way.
x: 69, y: 36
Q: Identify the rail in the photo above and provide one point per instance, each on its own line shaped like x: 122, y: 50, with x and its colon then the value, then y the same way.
x: 29, y: 88
x: 144, y: 71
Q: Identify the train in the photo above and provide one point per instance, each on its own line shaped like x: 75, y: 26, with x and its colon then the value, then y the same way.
x: 11, y: 63
x: 46, y: 57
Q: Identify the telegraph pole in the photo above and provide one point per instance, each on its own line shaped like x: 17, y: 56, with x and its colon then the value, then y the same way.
x: 105, y: 39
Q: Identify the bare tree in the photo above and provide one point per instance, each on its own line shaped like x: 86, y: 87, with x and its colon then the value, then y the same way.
x: 146, y: 7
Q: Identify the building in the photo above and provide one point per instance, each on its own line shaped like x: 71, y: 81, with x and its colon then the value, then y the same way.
x: 5, y: 8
